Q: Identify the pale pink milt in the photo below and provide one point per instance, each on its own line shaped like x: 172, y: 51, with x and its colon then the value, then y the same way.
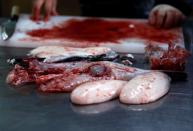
x: 145, y: 88
x: 97, y: 91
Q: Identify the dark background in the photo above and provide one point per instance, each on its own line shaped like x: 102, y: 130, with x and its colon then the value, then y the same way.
x: 65, y: 7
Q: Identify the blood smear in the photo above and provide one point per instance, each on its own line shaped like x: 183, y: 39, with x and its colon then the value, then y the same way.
x: 98, y: 30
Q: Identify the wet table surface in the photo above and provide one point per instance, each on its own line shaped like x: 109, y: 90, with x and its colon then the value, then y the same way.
x: 26, y: 109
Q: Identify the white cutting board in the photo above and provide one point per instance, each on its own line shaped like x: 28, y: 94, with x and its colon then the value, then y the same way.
x: 129, y: 45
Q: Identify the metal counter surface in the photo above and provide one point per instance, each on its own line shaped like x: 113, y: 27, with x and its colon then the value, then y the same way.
x: 25, y: 109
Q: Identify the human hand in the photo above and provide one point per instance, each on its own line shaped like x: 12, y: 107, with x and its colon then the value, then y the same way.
x: 49, y: 7
x: 165, y: 16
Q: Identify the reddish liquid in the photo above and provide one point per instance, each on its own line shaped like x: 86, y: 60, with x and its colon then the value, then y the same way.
x: 97, y: 30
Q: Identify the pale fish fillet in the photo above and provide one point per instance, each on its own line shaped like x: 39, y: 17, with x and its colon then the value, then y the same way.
x: 97, y: 91
x: 55, y: 53
x: 145, y: 88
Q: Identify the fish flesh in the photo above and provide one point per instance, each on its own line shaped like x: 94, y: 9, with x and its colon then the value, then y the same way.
x: 60, y: 53
x: 97, y: 92
x: 64, y: 77
x: 145, y: 88
x: 173, y: 59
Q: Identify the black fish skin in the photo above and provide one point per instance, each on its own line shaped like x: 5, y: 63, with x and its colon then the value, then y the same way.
x: 110, y: 56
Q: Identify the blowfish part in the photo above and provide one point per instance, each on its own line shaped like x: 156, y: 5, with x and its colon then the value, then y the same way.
x: 173, y: 59
x: 87, y: 72
x: 145, y: 88
x: 97, y: 92
x: 60, y: 53
x: 64, y: 77
x: 18, y: 76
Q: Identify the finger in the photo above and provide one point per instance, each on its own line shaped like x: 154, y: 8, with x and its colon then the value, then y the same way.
x: 54, y: 7
x: 170, y: 18
x: 48, y: 9
x: 176, y: 20
x: 152, y: 17
x: 36, y: 9
x: 181, y: 18
x: 160, y: 18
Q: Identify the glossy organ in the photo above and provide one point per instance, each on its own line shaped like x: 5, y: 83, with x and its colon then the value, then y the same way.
x: 145, y: 88
x: 97, y: 91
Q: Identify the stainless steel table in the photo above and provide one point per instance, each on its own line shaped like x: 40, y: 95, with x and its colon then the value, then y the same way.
x: 25, y: 109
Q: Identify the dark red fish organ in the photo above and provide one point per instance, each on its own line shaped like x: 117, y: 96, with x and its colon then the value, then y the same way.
x: 102, y: 31
x: 98, y: 70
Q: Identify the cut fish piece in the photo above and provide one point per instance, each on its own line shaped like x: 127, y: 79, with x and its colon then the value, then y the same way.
x: 64, y: 77
x: 97, y: 91
x: 172, y: 59
x: 145, y: 88
x: 58, y: 53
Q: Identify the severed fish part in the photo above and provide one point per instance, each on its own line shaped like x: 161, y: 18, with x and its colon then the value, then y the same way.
x: 60, y: 53
x: 19, y: 76
x: 88, y: 72
x: 64, y: 77
x: 145, y: 88
x: 173, y: 59
x: 97, y: 92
